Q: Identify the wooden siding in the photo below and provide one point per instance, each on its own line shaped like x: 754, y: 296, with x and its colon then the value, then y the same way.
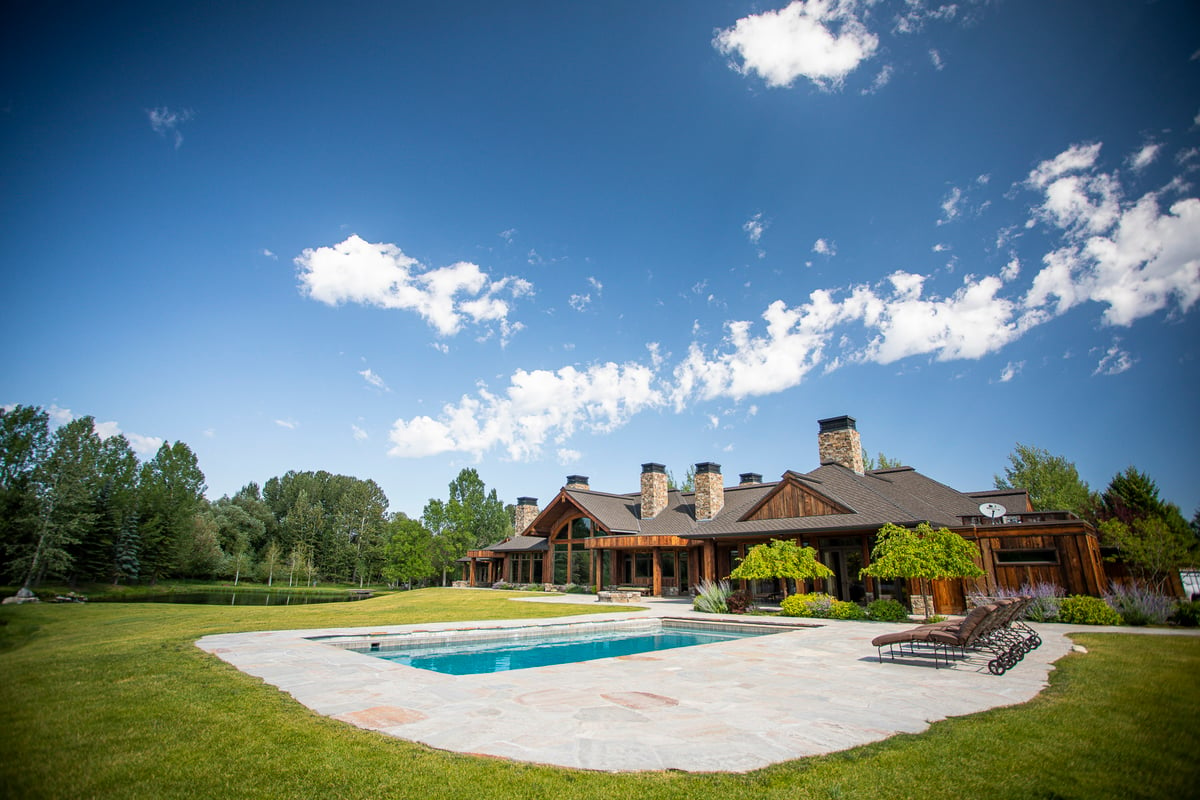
x: 1079, y: 569
x: 793, y: 500
x: 633, y: 542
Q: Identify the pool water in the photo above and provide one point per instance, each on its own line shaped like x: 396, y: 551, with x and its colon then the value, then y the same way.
x: 501, y: 655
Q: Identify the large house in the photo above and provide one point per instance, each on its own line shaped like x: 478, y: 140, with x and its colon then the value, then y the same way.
x: 669, y: 541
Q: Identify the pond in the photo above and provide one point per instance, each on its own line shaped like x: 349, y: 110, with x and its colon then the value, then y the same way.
x: 234, y: 598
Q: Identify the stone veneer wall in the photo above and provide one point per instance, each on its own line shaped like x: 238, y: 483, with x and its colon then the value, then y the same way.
x: 710, y: 491
x: 527, y: 511
x: 654, y: 490
x: 839, y: 443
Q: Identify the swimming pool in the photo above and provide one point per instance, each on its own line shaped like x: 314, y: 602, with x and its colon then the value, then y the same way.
x: 480, y: 651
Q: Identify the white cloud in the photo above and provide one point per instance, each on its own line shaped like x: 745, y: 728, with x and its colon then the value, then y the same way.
x: 356, y: 271
x: 359, y: 434
x: 567, y: 456
x: 1114, y: 361
x: 597, y: 285
x: 59, y: 416
x: 1011, y: 370
x: 1145, y: 156
x: 825, y: 247
x: 142, y: 445
x: 579, y: 302
x: 936, y: 59
x: 821, y: 40
x: 290, y: 424
x: 536, y: 406
x: 266, y: 252
x: 166, y: 122
x: 508, y: 235
x: 1011, y: 270
x: 1133, y: 257
x: 374, y: 379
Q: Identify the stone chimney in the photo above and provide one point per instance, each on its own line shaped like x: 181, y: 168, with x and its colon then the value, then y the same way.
x: 710, y: 492
x: 577, y: 482
x: 527, y: 511
x: 654, y: 489
x: 749, y: 478
x: 839, y: 443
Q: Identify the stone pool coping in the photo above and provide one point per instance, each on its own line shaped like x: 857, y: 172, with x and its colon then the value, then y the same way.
x: 736, y: 706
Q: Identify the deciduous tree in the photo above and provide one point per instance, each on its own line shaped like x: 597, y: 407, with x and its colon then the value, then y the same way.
x: 781, y: 559
x: 1053, y: 482
x: 922, y: 554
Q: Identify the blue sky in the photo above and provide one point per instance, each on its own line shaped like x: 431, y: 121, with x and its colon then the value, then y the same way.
x: 395, y: 240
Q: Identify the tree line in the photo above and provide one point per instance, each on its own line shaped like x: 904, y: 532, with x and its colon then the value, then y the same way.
x: 78, y: 508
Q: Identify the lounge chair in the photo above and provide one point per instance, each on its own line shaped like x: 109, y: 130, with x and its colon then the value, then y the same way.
x: 922, y: 638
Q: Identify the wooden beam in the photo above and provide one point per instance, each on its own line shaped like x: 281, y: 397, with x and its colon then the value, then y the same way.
x: 710, y: 560
x: 656, y: 560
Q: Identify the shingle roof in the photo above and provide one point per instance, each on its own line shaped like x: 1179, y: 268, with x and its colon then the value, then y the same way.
x: 520, y: 544
x: 900, y: 495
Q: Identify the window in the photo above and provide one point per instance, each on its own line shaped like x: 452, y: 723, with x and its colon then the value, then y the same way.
x: 1030, y: 556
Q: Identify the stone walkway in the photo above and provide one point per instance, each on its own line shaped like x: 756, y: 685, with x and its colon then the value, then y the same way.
x: 731, y: 707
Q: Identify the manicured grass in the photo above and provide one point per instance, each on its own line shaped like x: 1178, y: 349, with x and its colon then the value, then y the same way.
x: 115, y: 701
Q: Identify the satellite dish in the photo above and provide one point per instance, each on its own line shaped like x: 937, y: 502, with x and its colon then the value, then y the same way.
x: 992, y: 510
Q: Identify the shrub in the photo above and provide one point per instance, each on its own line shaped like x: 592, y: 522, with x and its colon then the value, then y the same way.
x: 575, y: 588
x: 844, y: 609
x: 1187, y: 614
x: 1080, y: 609
x: 741, y: 603
x: 815, y: 604
x: 887, y: 611
x: 712, y: 598
x: 1138, y: 605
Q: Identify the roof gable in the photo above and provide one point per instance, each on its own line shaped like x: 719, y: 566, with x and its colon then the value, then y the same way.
x: 794, y: 496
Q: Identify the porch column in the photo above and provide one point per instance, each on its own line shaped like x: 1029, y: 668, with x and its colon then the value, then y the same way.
x: 548, y: 564
x: 710, y: 560
x: 597, y: 570
x: 869, y: 584
x: 471, y: 580
x: 742, y: 557
x: 612, y: 567
x: 656, y: 559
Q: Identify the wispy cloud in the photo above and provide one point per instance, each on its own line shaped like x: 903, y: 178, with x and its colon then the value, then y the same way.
x: 1011, y: 370
x: 755, y: 227
x: 290, y: 424
x: 166, y: 122
x: 1114, y: 361
x: 374, y: 380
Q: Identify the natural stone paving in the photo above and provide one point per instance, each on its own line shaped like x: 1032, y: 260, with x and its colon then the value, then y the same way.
x: 731, y: 706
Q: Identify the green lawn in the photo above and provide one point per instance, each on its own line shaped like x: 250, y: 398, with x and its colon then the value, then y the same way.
x: 114, y: 700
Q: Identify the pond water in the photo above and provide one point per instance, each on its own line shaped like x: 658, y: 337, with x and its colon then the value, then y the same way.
x: 232, y: 598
